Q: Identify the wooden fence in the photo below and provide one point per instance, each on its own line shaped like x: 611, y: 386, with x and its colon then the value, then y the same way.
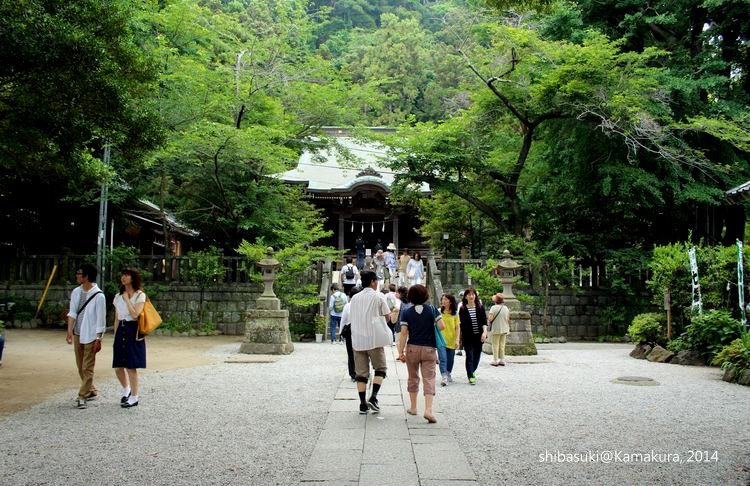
x: 453, y: 274
x: 37, y: 268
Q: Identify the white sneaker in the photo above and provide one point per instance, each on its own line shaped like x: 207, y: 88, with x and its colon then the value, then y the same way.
x: 450, y: 378
x: 444, y: 381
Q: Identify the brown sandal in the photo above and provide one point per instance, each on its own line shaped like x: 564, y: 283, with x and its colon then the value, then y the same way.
x: 411, y: 412
x: 430, y: 418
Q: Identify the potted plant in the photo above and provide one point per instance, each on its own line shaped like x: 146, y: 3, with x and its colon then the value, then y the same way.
x: 320, y: 328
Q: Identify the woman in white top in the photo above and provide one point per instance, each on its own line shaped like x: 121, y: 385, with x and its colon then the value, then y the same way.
x: 129, y: 351
x: 415, y: 270
x: 499, y: 320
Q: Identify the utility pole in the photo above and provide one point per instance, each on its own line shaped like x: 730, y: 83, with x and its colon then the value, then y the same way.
x: 101, y: 243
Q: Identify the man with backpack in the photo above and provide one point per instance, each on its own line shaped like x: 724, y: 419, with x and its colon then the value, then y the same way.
x: 349, y: 276
x: 335, y: 307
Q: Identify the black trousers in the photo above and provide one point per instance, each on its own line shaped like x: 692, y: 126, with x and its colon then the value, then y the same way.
x: 473, y: 352
x: 350, y: 354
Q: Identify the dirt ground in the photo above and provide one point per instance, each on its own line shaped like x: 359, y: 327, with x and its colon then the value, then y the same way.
x: 38, y: 364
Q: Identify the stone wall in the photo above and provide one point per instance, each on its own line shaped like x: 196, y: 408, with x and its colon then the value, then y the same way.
x: 224, y: 305
x: 574, y: 314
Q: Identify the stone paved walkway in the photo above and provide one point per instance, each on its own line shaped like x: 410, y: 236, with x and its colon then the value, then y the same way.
x: 390, y: 447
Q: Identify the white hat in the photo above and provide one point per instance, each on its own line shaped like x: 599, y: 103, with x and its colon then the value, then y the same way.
x: 391, y: 246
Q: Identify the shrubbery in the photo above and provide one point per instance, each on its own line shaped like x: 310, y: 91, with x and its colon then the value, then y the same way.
x: 735, y: 356
x: 646, y: 328
x: 717, y: 265
x: 708, y: 333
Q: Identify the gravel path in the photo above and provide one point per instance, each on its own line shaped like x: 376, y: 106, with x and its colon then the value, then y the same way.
x: 257, y: 423
x: 570, y: 405
x: 224, y: 424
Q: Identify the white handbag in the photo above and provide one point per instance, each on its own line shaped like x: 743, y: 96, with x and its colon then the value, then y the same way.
x: 383, y: 336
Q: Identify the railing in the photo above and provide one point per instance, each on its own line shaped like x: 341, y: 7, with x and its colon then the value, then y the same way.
x: 434, y: 280
x: 324, y: 269
x: 453, y: 271
x: 453, y: 274
x: 37, y: 268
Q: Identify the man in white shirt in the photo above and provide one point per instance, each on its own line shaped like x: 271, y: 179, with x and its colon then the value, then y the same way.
x: 86, y: 325
x: 369, y: 334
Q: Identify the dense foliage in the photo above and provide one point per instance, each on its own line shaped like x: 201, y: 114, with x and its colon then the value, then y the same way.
x: 717, y: 272
x: 72, y: 77
x: 708, y: 333
x: 585, y: 130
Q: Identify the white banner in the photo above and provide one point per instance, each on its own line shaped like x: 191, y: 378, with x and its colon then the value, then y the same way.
x: 697, y: 303
x: 741, y: 282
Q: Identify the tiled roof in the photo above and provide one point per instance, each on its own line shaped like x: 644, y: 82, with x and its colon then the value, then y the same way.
x: 740, y: 192
x: 331, y: 171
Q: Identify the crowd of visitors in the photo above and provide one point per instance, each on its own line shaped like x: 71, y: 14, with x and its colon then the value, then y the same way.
x: 384, y: 303
x: 387, y: 305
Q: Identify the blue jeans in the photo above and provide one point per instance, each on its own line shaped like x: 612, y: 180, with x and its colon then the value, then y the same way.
x: 335, y: 321
x: 473, y: 352
x: 446, y: 357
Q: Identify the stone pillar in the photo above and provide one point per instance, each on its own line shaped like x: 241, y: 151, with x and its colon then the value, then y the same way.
x: 520, y: 341
x: 267, y: 326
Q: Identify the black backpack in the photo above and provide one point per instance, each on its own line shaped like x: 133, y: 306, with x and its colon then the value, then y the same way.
x: 349, y: 274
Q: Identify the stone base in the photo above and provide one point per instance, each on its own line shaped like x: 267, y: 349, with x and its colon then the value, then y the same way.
x: 267, y: 330
x: 519, y: 342
x: 528, y: 349
x: 265, y: 348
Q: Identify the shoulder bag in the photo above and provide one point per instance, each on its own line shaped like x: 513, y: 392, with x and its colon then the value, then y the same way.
x: 439, y: 339
x: 148, y: 321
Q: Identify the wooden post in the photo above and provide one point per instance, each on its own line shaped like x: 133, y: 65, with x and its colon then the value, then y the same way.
x: 46, y: 289
x: 668, y: 308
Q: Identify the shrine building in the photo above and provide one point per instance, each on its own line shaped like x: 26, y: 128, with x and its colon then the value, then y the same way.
x: 352, y: 188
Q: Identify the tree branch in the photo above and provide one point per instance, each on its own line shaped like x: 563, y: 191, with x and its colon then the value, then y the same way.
x: 217, y: 178
x: 459, y: 190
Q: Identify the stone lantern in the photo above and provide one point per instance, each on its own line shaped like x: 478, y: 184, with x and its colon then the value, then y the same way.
x: 267, y: 326
x: 520, y: 340
x: 268, y: 267
x: 507, y: 269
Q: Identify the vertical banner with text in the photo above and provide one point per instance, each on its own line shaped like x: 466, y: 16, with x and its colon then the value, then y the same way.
x: 697, y: 303
x: 741, y: 282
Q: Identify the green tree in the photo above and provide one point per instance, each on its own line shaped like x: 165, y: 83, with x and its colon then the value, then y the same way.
x: 206, y: 269
x: 603, y: 130
x: 293, y: 283
x: 72, y: 76
x: 237, y: 95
